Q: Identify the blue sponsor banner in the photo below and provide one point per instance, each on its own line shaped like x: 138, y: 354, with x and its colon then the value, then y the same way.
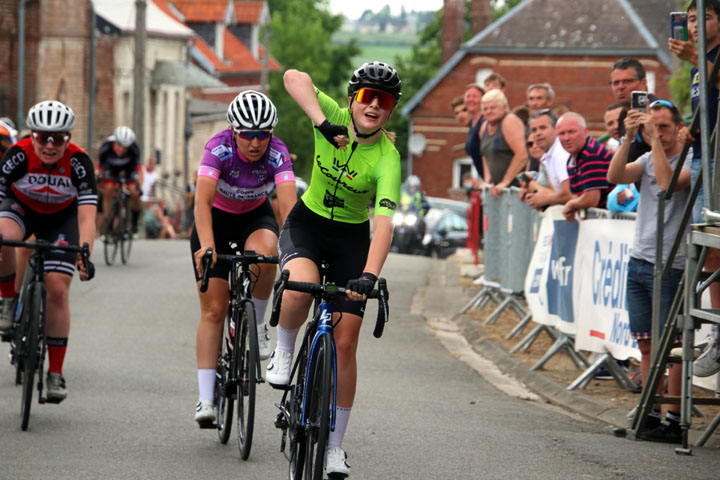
x: 560, y: 275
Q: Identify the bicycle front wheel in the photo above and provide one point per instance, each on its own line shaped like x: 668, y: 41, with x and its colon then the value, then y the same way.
x: 30, y: 347
x: 247, y: 370
x: 125, y: 236
x: 225, y: 389
x: 296, y: 431
x: 317, y: 408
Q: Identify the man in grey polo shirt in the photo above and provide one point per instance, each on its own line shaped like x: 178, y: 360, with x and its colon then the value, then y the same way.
x: 660, y: 127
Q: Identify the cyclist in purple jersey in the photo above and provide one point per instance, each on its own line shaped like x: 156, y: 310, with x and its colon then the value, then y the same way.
x: 240, y: 167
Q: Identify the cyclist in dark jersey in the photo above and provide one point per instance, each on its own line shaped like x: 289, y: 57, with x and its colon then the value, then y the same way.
x: 354, y: 160
x: 240, y: 167
x: 48, y: 189
x: 120, y: 155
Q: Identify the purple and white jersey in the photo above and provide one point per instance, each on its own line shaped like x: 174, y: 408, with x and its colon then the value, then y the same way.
x: 243, y: 185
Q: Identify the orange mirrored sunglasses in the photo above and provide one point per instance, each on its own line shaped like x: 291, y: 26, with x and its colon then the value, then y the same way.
x: 367, y: 95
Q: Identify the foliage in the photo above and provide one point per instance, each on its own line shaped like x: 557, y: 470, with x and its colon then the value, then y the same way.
x: 301, y: 39
x: 501, y: 7
x: 680, y: 88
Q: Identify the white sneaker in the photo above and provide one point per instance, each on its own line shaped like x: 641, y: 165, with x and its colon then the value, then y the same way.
x: 6, y: 313
x: 709, y: 362
x: 336, y: 465
x: 264, y: 345
x: 205, y: 412
x: 278, y: 370
x: 56, y: 390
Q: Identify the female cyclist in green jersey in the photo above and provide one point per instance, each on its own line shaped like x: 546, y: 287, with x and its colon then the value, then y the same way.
x: 354, y: 161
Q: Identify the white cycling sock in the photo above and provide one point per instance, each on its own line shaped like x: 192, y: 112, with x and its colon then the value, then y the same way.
x: 206, y: 384
x: 286, y: 338
x: 342, y: 415
x: 260, y: 309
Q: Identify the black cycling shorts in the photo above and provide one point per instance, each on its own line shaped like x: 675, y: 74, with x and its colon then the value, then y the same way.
x: 233, y: 228
x: 60, y: 227
x: 344, y: 246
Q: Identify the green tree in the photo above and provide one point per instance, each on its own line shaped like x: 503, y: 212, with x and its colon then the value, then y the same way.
x: 302, y: 39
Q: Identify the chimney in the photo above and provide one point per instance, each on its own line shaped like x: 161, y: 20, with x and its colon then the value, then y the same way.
x: 480, y: 15
x: 453, y: 27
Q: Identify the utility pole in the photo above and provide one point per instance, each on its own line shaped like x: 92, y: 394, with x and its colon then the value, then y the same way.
x: 264, y: 73
x: 139, y: 75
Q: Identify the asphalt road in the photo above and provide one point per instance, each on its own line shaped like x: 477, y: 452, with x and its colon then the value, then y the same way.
x: 420, y: 413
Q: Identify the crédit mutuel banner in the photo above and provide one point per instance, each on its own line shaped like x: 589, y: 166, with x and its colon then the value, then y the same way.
x: 577, y: 280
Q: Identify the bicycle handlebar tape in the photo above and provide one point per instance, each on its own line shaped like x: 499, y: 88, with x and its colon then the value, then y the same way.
x: 277, y: 297
x: 383, y: 308
x: 207, y: 260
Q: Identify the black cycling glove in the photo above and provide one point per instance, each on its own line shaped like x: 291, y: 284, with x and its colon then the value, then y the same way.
x: 90, y: 269
x: 330, y: 131
x: 362, y: 285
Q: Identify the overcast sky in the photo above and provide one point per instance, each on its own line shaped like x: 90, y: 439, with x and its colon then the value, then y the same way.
x: 353, y: 9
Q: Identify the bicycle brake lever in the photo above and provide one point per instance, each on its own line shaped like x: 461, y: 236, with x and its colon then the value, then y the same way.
x: 277, y: 297
x: 206, y: 261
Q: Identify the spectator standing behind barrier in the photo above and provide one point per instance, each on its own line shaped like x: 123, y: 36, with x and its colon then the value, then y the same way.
x: 473, y: 97
x: 709, y: 362
x: 628, y: 75
x: 502, y: 143
x: 654, y: 170
x: 587, y: 165
x: 149, y: 179
x: 460, y: 111
x: 494, y: 81
x: 611, y: 119
x: 553, y: 161
x: 539, y: 97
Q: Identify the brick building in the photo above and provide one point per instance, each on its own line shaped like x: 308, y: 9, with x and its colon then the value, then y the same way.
x: 537, y: 41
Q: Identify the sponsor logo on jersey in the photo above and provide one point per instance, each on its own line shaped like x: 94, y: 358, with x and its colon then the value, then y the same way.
x: 343, y: 169
x: 276, y: 158
x: 77, y: 166
x: 387, y: 203
x: 13, y: 162
x: 333, y: 177
x: 331, y: 201
x: 49, y: 180
x: 222, y: 152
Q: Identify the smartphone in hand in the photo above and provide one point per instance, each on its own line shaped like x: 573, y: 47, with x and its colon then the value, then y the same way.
x: 678, y: 26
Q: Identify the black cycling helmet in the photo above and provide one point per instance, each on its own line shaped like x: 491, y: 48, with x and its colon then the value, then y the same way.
x: 377, y: 75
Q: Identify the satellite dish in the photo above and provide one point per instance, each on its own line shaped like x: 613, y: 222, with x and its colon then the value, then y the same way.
x: 417, y: 143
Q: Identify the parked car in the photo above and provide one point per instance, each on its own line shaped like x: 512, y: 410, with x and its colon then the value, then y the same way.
x: 461, y: 208
x: 446, y: 230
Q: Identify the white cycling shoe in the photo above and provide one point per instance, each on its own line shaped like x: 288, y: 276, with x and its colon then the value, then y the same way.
x: 264, y: 345
x: 205, y: 412
x: 278, y: 370
x: 336, y: 465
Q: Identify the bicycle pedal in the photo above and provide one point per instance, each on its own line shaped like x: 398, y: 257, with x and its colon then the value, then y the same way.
x: 207, y: 424
x: 277, y: 386
x: 54, y: 401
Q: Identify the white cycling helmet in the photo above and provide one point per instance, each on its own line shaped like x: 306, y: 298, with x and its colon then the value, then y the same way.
x: 124, y: 136
x: 412, y: 181
x: 252, y: 110
x: 50, y: 116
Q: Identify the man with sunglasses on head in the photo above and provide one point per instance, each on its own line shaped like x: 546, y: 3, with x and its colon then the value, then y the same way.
x: 239, y: 169
x: 48, y: 189
x: 355, y: 159
x: 661, y: 126
x: 120, y: 156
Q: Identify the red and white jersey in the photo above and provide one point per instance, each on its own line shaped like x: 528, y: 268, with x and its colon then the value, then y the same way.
x: 46, y: 189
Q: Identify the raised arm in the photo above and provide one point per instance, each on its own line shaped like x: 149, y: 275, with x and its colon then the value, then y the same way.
x: 300, y: 87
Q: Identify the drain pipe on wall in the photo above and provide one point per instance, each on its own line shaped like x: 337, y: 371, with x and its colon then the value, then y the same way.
x: 21, y: 66
x: 93, y: 85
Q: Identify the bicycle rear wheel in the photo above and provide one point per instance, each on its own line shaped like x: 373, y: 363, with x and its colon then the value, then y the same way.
x: 30, y: 352
x: 317, y: 405
x: 247, y: 347
x: 225, y: 389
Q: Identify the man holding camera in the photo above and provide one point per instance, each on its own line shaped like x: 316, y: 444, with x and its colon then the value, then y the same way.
x: 660, y: 127
x: 709, y: 362
x: 554, y: 163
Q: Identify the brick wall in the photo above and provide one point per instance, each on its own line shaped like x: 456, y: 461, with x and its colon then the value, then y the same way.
x: 579, y: 83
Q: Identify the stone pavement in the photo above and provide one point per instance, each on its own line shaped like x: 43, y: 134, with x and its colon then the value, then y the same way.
x: 448, y: 291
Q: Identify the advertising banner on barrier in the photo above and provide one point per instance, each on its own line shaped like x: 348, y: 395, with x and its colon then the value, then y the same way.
x: 549, y: 281
x: 603, y: 247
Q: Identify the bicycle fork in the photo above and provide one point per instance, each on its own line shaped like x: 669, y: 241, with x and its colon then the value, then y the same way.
x: 324, y: 328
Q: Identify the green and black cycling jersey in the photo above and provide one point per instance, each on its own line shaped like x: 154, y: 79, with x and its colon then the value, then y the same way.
x: 341, y: 189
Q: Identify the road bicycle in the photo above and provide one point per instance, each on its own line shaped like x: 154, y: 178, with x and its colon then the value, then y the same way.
x: 307, y: 408
x: 238, y: 368
x: 117, y: 231
x: 29, y: 343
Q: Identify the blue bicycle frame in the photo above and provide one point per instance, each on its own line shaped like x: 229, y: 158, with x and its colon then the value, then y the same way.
x: 324, y: 327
